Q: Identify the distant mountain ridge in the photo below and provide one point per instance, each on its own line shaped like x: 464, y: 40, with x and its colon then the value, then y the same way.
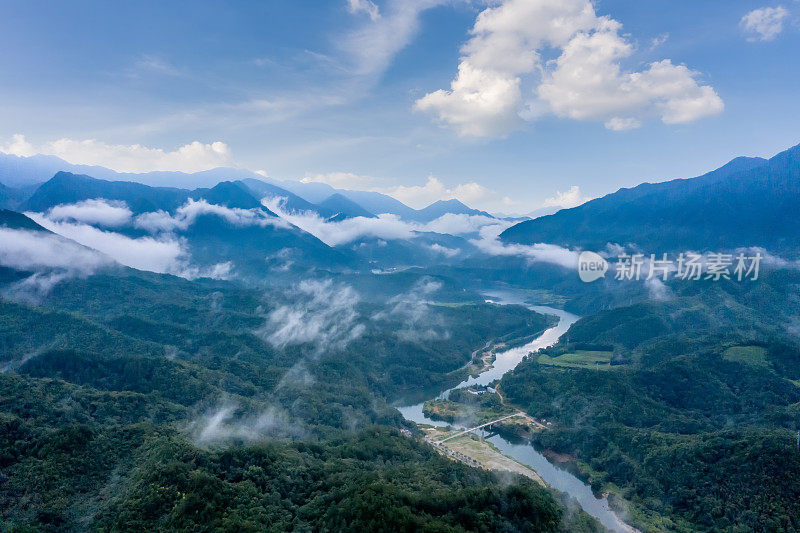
x: 211, y: 239
x: 23, y: 174
x: 69, y: 188
x: 343, y: 207
x: 17, y: 171
x: 741, y: 204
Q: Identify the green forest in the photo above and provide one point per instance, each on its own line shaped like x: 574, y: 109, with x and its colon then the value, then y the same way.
x: 135, y: 401
x: 693, y: 425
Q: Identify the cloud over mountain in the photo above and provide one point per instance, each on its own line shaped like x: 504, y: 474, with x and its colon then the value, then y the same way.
x: 192, y: 157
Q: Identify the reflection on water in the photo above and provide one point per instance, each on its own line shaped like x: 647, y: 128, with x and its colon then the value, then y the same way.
x: 563, y: 481
x: 525, y: 453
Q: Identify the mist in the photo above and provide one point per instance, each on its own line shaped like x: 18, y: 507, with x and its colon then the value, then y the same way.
x: 222, y: 424
x: 413, y: 310
x: 322, y: 313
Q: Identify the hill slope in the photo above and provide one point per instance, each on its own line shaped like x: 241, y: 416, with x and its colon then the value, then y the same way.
x: 67, y: 188
x: 744, y: 203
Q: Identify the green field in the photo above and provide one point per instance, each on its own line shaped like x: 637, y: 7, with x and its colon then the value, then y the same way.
x: 579, y: 359
x: 747, y: 355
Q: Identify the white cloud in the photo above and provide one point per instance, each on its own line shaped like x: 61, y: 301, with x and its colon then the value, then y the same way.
x: 657, y: 41
x: 657, y: 289
x: 95, y: 211
x: 38, y: 250
x: 165, y: 255
x: 622, y: 124
x: 50, y: 257
x: 185, y: 216
x: 480, y: 103
x: 461, y: 224
x: 413, y: 310
x: 418, y: 196
x: 764, y: 24
x: 144, y: 253
x: 373, y: 46
x: 221, y: 425
x: 18, y: 146
x: 344, y: 180
x: 155, y: 64
x: 385, y: 226
x: 192, y: 157
x: 445, y: 251
x: 490, y: 244
x: 321, y: 313
x: 585, y: 82
x: 571, y: 198
x: 164, y: 252
x: 364, y: 6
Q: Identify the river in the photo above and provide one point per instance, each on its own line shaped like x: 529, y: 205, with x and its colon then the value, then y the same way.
x: 525, y: 453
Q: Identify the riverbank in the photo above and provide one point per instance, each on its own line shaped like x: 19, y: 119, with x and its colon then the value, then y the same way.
x: 479, y: 453
x: 497, y: 453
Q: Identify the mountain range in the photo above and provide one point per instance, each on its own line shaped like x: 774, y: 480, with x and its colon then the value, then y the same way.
x: 21, y: 176
x: 743, y: 204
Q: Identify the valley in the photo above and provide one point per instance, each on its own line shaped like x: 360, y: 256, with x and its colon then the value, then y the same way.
x: 172, y: 358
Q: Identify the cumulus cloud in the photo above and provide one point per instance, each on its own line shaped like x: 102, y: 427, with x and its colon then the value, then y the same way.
x: 187, y: 214
x: 322, y: 314
x: 110, y: 213
x: 502, y: 80
x: 193, y: 157
x: 571, y: 198
x: 764, y: 24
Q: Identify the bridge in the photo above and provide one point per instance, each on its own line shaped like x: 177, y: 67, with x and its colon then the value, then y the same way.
x: 470, y: 430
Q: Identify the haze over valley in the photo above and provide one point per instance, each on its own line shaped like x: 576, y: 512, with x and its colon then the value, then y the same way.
x: 498, y: 266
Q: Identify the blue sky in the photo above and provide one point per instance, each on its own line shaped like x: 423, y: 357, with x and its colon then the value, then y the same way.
x: 345, y: 91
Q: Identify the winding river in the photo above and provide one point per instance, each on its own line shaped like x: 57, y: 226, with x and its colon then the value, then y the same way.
x: 525, y: 453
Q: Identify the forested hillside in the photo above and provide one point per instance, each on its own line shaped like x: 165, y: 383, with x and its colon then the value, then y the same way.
x: 691, y: 417
x: 138, y: 401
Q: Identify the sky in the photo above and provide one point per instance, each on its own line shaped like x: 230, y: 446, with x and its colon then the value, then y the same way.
x: 508, y: 105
